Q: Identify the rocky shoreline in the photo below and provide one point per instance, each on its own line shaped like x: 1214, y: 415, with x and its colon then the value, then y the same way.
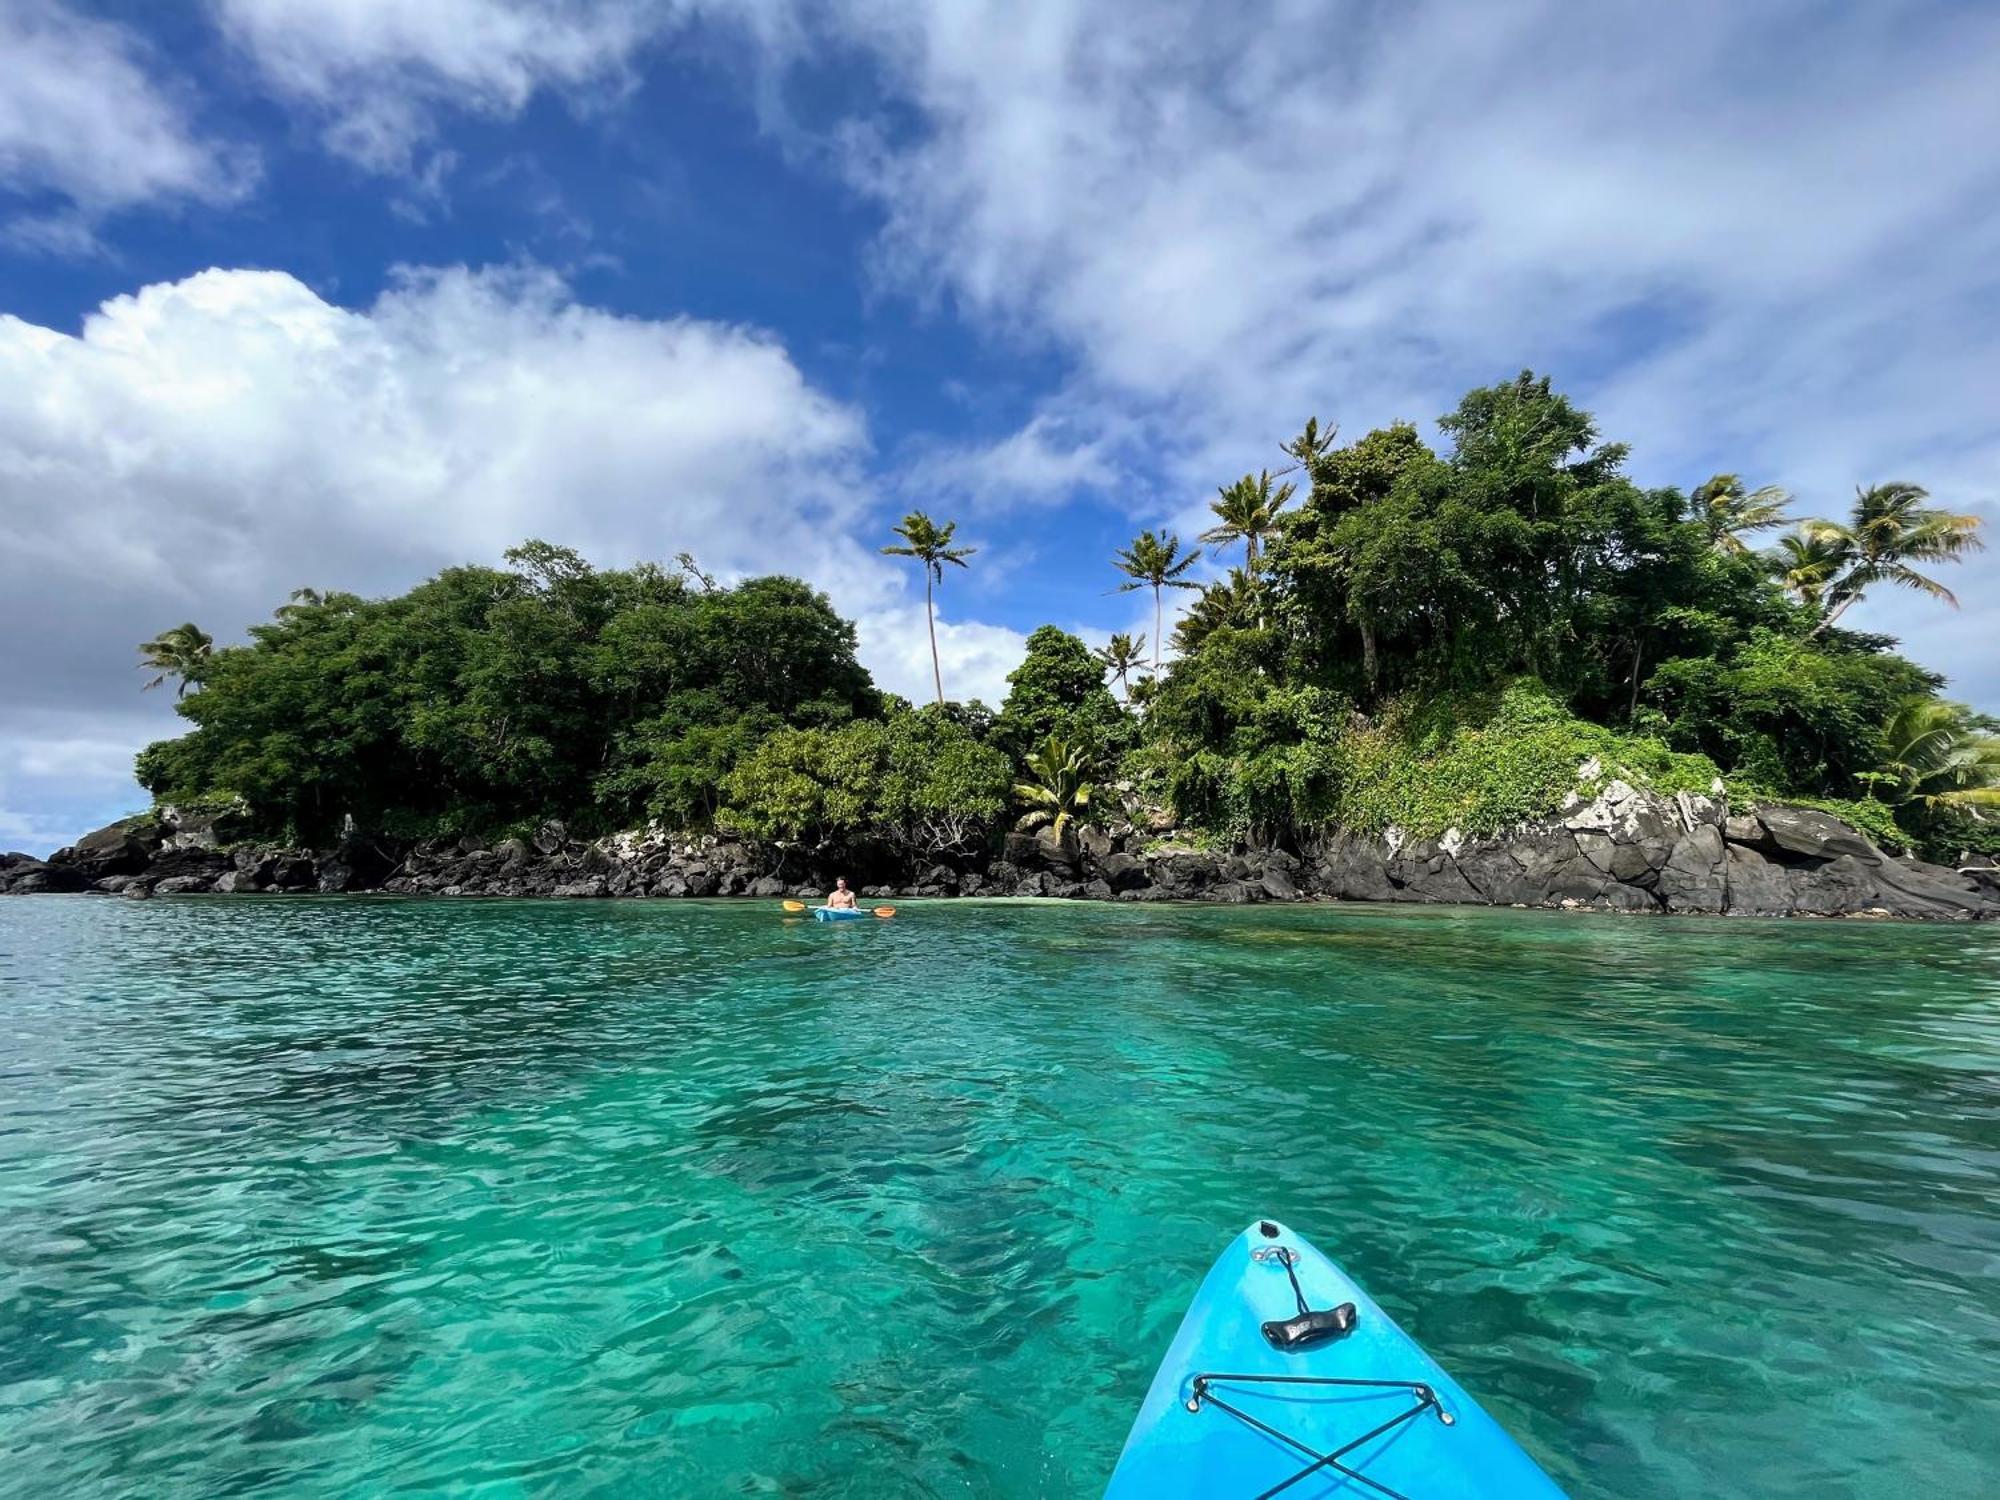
x: 1623, y: 850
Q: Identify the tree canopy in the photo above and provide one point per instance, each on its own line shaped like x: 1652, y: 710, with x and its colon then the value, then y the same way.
x: 1059, y: 692
x: 1414, y: 583
x: 486, y: 696
x: 1417, y: 634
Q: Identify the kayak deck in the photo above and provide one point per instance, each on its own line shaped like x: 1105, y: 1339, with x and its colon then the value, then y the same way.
x: 1353, y: 1408
x: 837, y: 913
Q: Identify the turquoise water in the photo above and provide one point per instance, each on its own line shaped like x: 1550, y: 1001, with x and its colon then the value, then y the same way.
x: 364, y: 1197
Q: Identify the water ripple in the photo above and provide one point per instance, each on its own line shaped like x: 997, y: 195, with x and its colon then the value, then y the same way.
x: 360, y: 1196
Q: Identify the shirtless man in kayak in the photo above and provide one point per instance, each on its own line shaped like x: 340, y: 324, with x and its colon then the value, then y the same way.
x: 841, y: 898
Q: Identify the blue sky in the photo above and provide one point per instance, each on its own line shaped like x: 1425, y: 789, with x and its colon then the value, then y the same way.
x: 335, y: 292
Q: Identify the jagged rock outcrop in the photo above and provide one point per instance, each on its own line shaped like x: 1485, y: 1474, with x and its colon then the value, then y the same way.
x: 24, y: 875
x: 1622, y: 850
x: 1627, y: 850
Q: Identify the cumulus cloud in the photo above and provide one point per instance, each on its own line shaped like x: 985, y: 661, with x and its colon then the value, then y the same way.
x: 973, y: 657
x: 85, y: 119
x: 202, y: 447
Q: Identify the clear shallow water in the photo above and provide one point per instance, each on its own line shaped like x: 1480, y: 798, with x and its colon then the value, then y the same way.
x: 352, y: 1197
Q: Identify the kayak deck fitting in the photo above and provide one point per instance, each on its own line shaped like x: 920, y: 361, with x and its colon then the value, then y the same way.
x: 1287, y: 1378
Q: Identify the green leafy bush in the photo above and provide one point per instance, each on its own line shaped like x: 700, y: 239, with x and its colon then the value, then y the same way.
x: 1483, y: 763
x: 1476, y: 762
x: 919, y: 781
x: 1792, y: 716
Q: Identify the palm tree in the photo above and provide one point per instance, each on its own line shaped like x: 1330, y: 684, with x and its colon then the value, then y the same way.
x: 1309, y: 447
x: 300, y: 601
x: 1058, y: 794
x: 930, y: 544
x: 1728, y: 511
x: 1154, y: 561
x: 1890, y: 529
x: 181, y: 652
x: 1938, y: 756
x: 1236, y: 601
x: 1248, y: 512
x: 1123, y: 656
x: 1805, y: 564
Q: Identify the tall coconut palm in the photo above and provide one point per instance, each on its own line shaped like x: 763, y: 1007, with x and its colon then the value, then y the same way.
x: 1937, y: 755
x: 1805, y: 565
x: 930, y: 544
x: 179, y: 653
x: 1729, y: 511
x: 1058, y: 794
x: 1123, y: 656
x: 1155, y: 561
x: 1248, y: 512
x: 1890, y: 529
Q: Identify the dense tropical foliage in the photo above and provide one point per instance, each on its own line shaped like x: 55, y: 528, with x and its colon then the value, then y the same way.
x: 1417, y: 636
x: 485, y: 697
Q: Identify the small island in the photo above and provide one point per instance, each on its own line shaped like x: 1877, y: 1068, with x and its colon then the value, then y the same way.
x: 1491, y: 670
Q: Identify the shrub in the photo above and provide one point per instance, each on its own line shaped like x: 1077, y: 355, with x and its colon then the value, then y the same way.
x: 919, y: 780
x: 1477, y: 763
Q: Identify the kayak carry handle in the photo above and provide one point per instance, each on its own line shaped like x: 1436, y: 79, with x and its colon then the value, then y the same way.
x: 1310, y: 1328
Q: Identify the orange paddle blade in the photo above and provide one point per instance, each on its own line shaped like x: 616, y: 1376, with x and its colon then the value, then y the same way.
x: 795, y: 906
x: 885, y: 911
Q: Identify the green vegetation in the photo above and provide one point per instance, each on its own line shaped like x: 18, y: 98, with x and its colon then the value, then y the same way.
x: 485, y: 697
x: 1250, y: 512
x: 180, y: 653
x: 1122, y: 656
x: 1057, y: 793
x: 1440, y: 639
x: 1891, y: 528
x: 1058, y: 692
x: 919, y: 782
x: 1481, y: 763
x: 1730, y: 512
x: 1941, y: 769
x: 1425, y: 638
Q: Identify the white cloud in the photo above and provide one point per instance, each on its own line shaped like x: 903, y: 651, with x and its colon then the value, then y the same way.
x: 1047, y: 460
x: 204, y: 446
x: 1755, y: 237
x: 378, y: 71
x: 86, y: 115
x: 974, y: 658
x: 68, y: 770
